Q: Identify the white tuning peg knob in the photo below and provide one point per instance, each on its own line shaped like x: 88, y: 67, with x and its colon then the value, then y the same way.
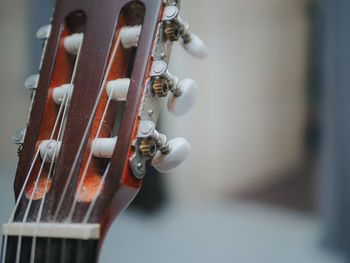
x: 178, y: 151
x: 32, y: 81
x: 44, y: 32
x: 195, y: 46
x: 49, y: 150
x: 103, y: 147
x: 183, y: 98
x: 73, y: 42
x: 118, y: 89
x: 129, y: 36
x: 61, y: 93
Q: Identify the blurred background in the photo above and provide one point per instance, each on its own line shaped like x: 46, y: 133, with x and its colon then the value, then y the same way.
x: 268, y: 176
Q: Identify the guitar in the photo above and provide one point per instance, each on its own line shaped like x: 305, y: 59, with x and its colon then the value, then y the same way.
x: 91, y: 127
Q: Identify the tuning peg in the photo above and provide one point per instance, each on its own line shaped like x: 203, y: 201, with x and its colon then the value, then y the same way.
x: 73, y: 42
x: 18, y: 136
x: 172, y: 155
x: 60, y: 92
x: 175, y: 28
x: 181, y: 100
x: 129, y: 36
x: 103, y: 147
x: 44, y: 32
x: 118, y: 89
x: 184, y: 92
x: 32, y: 81
x: 194, y: 46
x: 49, y: 150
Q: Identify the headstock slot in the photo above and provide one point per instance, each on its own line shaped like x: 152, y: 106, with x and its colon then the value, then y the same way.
x: 54, y: 116
x: 101, y: 24
x: 93, y: 168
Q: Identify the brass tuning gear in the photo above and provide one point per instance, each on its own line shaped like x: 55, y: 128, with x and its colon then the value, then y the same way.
x: 148, y: 147
x: 160, y: 87
x: 172, y: 31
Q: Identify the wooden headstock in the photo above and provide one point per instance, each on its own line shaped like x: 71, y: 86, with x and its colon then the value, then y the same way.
x: 91, y: 127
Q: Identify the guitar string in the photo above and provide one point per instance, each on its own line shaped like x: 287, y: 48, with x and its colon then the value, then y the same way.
x: 76, y: 196
x: 86, y: 132
x: 66, y: 98
x: 38, y: 176
x: 88, y: 161
x: 19, y: 241
x: 15, y: 209
x: 92, y: 204
x: 44, y: 195
x: 114, y: 51
x: 22, y: 191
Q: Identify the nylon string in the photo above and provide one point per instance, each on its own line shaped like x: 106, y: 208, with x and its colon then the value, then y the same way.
x: 86, y: 132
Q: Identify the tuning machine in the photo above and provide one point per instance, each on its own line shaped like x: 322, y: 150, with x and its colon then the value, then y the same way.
x: 151, y: 145
x: 44, y: 32
x: 177, y: 29
x: 183, y: 92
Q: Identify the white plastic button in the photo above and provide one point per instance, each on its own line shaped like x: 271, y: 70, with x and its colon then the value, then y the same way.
x: 51, y: 148
x: 196, y: 47
x: 59, y: 93
x: 179, y: 105
x: 103, y: 147
x: 118, y: 89
x: 44, y: 32
x: 179, y: 151
x: 129, y: 36
x: 32, y: 81
x: 73, y: 42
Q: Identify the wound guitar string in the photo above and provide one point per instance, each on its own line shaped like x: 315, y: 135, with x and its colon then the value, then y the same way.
x: 86, y: 132
x: 63, y: 106
x: 59, y: 136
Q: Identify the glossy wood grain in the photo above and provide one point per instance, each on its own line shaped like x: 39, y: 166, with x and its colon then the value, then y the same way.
x: 104, y: 18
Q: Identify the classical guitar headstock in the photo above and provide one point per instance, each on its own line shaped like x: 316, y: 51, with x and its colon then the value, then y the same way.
x: 91, y: 127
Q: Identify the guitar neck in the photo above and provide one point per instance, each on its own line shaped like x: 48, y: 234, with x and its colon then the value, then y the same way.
x: 92, y: 125
x: 52, y: 250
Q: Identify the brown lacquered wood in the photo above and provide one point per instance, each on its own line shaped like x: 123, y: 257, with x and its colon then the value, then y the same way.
x: 104, y: 18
